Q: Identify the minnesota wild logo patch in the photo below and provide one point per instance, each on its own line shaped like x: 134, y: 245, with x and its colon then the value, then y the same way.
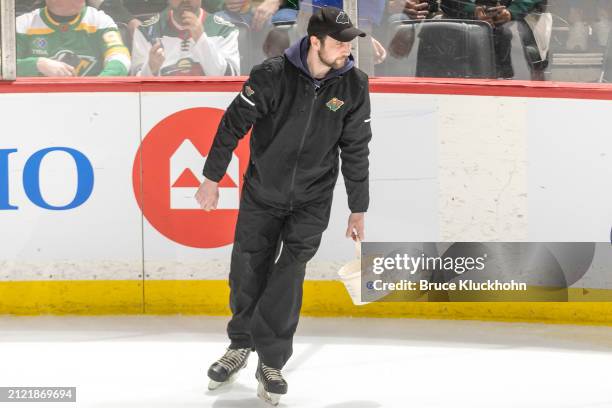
x: 334, y: 104
x: 249, y: 91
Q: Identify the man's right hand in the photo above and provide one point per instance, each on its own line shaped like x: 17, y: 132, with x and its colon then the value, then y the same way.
x: 156, y: 57
x: 52, y: 68
x: 417, y: 10
x: 208, y: 195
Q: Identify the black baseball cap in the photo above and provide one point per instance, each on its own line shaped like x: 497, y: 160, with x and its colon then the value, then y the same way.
x: 333, y: 22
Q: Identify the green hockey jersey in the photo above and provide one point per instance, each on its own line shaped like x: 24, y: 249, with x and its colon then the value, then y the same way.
x: 90, y: 43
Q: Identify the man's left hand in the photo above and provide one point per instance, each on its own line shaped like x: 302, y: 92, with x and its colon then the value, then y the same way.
x: 356, y: 227
x: 193, y: 24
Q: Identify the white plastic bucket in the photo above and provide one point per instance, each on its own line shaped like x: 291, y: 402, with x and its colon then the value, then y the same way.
x: 350, y: 274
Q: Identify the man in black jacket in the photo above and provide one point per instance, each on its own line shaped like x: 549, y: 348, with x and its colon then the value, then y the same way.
x: 308, y: 108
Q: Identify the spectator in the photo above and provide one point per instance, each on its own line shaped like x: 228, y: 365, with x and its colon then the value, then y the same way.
x: 269, y: 11
x: 132, y: 13
x: 499, y: 17
x: 68, y: 38
x: 186, y: 40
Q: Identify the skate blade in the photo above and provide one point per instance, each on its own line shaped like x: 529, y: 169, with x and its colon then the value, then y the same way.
x: 213, y: 385
x: 268, y: 397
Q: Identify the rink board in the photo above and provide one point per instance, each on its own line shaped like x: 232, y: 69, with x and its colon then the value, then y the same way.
x: 450, y: 161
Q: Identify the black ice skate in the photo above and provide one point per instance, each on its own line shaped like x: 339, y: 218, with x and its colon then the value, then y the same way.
x: 271, y: 385
x: 225, y: 370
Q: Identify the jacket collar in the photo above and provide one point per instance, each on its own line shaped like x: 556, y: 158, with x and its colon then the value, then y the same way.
x: 297, y: 54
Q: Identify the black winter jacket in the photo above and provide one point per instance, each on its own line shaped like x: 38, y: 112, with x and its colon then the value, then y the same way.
x: 300, y: 128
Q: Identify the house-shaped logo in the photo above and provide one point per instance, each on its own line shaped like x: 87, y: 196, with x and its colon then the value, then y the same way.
x: 186, y: 165
x: 167, y: 172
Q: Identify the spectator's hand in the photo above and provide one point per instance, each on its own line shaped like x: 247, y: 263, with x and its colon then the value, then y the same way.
x: 156, y: 57
x: 264, y: 12
x: 356, y: 222
x: 52, y: 68
x: 380, y: 54
x: 234, y: 5
x: 502, y: 16
x: 396, y: 6
x: 417, y: 10
x: 480, y: 13
x: 208, y: 195
x: 193, y: 24
x: 133, y: 25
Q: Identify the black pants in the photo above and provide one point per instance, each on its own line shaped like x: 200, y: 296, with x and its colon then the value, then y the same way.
x: 503, y: 50
x: 265, y: 293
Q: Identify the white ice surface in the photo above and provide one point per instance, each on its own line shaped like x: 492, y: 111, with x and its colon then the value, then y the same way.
x: 150, y: 361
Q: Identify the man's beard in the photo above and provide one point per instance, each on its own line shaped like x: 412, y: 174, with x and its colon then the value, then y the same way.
x: 334, y: 64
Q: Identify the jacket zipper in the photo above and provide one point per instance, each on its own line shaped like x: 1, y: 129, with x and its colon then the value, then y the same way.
x: 312, y: 102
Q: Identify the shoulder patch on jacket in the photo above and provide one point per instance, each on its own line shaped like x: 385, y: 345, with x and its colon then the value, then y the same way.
x: 221, y: 21
x: 151, y: 20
